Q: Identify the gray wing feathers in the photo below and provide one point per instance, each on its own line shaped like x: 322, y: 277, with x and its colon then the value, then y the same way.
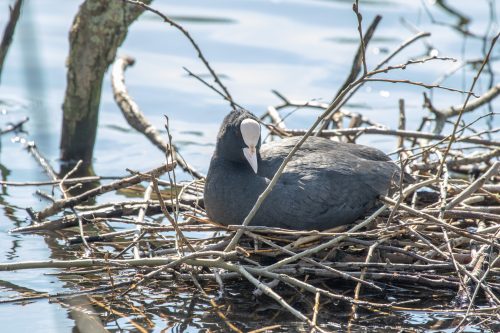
x: 320, y: 189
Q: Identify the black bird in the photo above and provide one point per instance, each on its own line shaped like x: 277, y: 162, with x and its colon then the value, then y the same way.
x: 326, y: 183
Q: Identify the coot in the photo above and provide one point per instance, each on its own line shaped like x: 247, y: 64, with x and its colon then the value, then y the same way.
x: 326, y: 183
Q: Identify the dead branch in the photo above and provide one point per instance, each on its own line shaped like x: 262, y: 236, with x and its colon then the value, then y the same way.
x: 136, y: 118
x: 399, y: 133
x: 125, y: 182
x: 193, y: 43
x: 14, y: 127
x: 443, y: 114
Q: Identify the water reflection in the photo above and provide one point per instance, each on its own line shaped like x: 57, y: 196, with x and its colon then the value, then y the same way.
x: 34, y: 78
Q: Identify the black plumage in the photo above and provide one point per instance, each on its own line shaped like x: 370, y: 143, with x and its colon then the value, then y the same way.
x: 326, y: 183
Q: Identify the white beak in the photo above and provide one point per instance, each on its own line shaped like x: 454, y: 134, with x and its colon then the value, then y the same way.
x: 251, y: 156
x: 250, y: 131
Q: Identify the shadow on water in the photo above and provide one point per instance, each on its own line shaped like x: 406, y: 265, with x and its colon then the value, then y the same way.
x: 34, y: 79
x: 191, y: 19
x: 462, y: 18
x: 378, y: 3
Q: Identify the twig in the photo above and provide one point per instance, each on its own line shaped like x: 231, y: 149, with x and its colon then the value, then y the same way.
x: 420, y: 84
x: 315, y: 311
x: 455, y: 127
x: 13, y: 127
x: 458, y: 161
x: 65, y: 193
x: 125, y: 182
x: 315, y: 263
x: 193, y: 43
x: 42, y: 161
x: 359, y: 17
x: 359, y: 58
x: 384, y: 131
x: 442, y: 204
x: 124, y: 263
x: 275, y: 117
x: 443, y: 114
x: 380, y: 65
x: 439, y: 222
x: 357, y: 290
x: 328, y: 244
x: 113, y: 211
x: 172, y: 221
x: 492, y: 171
x: 140, y: 218
x: 401, y: 122
x: 68, y: 181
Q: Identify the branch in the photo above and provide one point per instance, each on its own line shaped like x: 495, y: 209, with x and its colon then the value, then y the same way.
x: 421, y: 84
x: 359, y: 58
x: 400, y: 133
x: 14, y: 127
x: 136, y: 118
x: 443, y: 114
x: 492, y: 171
x: 455, y: 127
x: 193, y: 43
x: 125, y: 182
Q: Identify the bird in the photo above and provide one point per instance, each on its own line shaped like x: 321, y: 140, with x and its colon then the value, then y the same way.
x: 326, y: 183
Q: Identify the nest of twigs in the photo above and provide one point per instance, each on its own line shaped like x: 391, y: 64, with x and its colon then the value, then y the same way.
x: 438, y: 233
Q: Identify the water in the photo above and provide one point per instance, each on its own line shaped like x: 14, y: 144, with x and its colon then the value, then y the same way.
x: 301, y: 48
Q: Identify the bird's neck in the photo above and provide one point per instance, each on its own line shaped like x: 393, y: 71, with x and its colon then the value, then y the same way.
x: 232, y: 167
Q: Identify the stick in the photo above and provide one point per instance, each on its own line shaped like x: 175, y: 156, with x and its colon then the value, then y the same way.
x: 140, y: 218
x: 327, y: 244
x: 193, y: 43
x: 492, y: 171
x: 14, y: 127
x: 452, y: 111
x: 455, y: 127
x: 68, y: 181
x: 124, y: 263
x: 439, y: 222
x: 125, y: 182
x: 136, y: 118
x: 384, y: 131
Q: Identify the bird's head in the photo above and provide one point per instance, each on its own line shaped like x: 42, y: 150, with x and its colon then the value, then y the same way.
x: 239, y: 138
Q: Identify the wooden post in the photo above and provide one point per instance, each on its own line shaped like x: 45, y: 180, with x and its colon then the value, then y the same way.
x: 98, y: 30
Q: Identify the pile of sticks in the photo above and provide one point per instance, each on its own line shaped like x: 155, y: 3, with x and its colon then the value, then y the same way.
x: 438, y: 233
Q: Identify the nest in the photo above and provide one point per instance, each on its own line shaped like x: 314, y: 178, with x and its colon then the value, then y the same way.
x: 440, y: 233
